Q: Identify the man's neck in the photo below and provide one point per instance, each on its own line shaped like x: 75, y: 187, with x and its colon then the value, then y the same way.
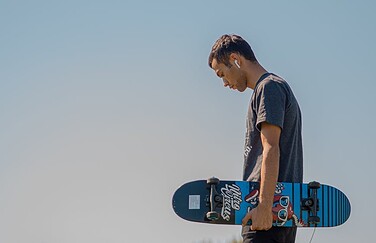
x: 253, y: 72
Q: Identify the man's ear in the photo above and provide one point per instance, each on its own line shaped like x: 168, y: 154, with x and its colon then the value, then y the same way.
x: 235, y: 57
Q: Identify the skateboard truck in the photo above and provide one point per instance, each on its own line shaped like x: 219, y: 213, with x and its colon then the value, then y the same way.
x: 215, y: 199
x: 311, y: 203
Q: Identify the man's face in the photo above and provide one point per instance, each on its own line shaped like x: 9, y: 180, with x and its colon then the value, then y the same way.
x: 232, y: 76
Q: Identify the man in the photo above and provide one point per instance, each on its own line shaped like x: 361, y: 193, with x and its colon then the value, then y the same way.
x: 273, y: 143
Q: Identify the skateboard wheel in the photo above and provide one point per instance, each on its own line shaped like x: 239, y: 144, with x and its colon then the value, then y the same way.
x: 213, y: 215
x: 212, y: 181
x: 314, y: 185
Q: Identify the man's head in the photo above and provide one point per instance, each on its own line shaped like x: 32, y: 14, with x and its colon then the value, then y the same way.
x: 228, y: 54
x: 228, y: 44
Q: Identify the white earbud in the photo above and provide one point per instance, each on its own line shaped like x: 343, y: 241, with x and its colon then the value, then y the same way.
x: 237, y: 64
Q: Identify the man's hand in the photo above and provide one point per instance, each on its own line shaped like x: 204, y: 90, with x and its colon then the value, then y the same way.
x: 261, y: 216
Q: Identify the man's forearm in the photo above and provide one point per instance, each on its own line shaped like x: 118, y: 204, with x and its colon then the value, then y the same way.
x: 262, y: 216
x: 269, y: 175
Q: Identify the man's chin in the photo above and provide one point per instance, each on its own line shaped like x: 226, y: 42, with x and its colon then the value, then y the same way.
x: 241, y: 89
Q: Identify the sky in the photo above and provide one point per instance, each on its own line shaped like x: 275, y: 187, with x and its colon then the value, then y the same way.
x: 107, y: 107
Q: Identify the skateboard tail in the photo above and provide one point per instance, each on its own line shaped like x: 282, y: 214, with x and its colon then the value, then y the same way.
x: 194, y: 201
x: 335, y: 207
x: 190, y: 201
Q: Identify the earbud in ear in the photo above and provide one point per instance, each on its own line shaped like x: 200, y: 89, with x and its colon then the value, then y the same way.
x: 237, y: 64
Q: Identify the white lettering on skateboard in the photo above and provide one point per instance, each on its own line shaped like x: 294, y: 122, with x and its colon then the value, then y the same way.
x: 279, y: 188
x: 232, y: 197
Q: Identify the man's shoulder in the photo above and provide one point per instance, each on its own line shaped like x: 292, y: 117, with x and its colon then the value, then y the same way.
x: 272, y: 81
x: 271, y: 84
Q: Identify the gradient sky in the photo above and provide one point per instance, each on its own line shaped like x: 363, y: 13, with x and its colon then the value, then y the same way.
x: 107, y: 107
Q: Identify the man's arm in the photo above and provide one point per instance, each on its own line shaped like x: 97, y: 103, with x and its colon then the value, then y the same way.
x: 262, y: 216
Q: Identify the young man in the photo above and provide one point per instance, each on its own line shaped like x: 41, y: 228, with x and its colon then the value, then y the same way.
x: 273, y: 143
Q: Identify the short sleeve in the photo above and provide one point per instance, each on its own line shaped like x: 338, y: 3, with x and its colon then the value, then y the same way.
x: 271, y: 103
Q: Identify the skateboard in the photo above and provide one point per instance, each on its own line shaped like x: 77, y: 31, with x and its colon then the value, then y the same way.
x: 295, y: 204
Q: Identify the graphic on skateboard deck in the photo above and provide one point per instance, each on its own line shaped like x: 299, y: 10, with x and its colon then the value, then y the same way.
x: 295, y: 204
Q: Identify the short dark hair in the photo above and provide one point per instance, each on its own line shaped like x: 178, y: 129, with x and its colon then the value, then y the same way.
x: 228, y: 44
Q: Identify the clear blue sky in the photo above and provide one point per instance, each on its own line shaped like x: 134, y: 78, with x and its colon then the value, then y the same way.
x: 107, y: 107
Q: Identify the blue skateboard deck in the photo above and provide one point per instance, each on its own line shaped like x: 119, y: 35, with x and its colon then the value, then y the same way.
x: 295, y: 204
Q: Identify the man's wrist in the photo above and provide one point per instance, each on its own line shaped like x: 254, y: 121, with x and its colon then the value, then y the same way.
x: 265, y: 204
